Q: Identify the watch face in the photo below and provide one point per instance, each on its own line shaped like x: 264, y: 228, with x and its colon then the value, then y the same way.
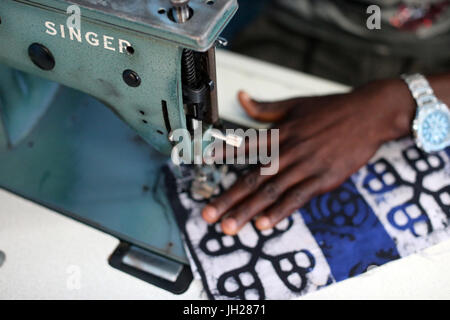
x: 434, y: 128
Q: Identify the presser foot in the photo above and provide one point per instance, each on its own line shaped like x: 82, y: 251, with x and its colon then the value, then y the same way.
x: 207, y: 180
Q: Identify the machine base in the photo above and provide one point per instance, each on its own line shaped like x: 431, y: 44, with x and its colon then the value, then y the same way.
x: 83, y: 161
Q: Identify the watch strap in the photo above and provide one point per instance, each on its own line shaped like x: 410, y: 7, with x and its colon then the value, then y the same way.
x: 420, y: 89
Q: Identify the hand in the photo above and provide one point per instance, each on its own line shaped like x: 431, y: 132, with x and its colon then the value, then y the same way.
x: 323, y: 141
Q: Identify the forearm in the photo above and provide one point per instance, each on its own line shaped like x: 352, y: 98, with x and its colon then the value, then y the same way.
x: 396, y: 95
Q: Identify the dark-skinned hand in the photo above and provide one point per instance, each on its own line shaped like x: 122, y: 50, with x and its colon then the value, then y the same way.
x: 323, y: 141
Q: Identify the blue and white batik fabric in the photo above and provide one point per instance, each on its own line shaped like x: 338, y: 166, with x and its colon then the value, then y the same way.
x: 397, y: 205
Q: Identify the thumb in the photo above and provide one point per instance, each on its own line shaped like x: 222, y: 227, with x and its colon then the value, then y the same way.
x: 265, y: 111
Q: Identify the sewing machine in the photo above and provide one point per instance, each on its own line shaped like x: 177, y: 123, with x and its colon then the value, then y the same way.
x: 87, y: 114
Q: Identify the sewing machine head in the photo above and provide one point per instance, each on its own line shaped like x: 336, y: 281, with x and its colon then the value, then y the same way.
x: 152, y: 62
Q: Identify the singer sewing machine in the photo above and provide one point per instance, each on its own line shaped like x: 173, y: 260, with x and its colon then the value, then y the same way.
x: 87, y: 114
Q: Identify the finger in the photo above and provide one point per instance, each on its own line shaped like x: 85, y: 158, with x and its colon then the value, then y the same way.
x: 251, y: 145
x: 213, y: 211
x: 306, y: 123
x: 266, y: 111
x: 293, y: 199
x: 304, y: 127
x: 252, y: 181
x: 266, y: 196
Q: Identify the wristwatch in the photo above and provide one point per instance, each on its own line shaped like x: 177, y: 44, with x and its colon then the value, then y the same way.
x: 431, y: 126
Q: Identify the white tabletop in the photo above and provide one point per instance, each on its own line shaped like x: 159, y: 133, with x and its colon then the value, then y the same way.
x: 50, y: 256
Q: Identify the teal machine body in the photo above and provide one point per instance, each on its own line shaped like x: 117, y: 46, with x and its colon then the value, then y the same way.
x: 86, y: 114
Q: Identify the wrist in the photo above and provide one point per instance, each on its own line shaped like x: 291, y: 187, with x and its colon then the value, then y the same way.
x: 440, y: 85
x: 401, y: 108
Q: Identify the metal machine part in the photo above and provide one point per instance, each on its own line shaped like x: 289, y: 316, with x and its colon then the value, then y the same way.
x: 152, y: 268
x: 206, y: 181
x: 180, y: 11
x: 127, y: 54
x: 230, y: 139
x: 153, y: 264
x: 151, y: 17
x: 60, y: 146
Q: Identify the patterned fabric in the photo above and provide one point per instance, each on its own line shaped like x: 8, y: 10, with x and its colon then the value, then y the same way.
x: 395, y: 206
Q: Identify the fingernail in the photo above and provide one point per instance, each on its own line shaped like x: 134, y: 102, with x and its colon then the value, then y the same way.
x: 229, y: 225
x: 263, y: 223
x: 245, y: 95
x: 209, y: 213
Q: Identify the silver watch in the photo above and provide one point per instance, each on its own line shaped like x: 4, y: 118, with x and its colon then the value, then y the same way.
x: 431, y: 126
